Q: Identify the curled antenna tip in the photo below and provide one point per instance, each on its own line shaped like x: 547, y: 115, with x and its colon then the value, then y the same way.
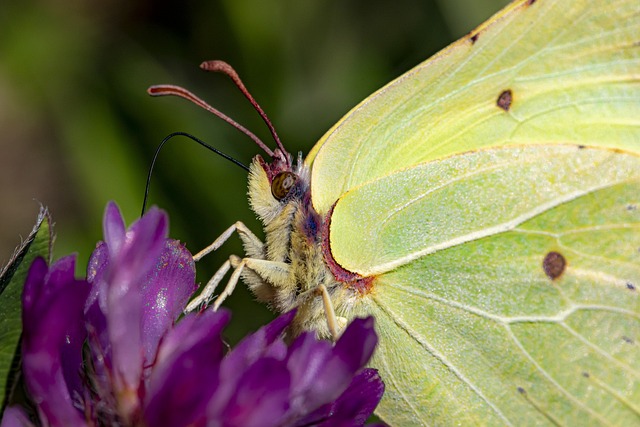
x: 223, y: 67
x: 161, y: 90
x: 156, y: 90
x: 217, y: 65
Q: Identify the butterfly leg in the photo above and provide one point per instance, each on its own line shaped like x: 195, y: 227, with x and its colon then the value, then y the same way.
x: 252, y: 244
x: 249, y: 240
x: 332, y: 321
x: 336, y: 324
x: 276, y: 273
x: 231, y: 284
x: 209, y: 289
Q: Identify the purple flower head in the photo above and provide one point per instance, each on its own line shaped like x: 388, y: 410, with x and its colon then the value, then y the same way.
x: 258, y: 383
x: 141, y: 283
x: 110, y: 350
x: 297, y: 385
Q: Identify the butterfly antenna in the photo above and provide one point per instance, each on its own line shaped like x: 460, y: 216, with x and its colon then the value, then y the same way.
x: 223, y: 67
x: 193, y: 138
x: 163, y: 90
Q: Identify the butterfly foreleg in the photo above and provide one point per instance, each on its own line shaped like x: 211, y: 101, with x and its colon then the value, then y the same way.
x: 275, y: 272
x: 252, y: 245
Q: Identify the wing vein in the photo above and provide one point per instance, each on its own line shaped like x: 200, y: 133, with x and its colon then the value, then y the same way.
x: 600, y: 351
x: 441, y: 358
x: 550, y: 378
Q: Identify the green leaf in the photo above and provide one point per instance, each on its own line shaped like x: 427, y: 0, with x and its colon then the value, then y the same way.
x: 12, y: 279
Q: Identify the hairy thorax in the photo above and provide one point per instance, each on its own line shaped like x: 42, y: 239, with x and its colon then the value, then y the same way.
x: 293, y: 247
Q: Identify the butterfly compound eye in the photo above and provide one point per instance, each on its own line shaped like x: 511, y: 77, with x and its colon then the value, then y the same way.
x: 282, y: 184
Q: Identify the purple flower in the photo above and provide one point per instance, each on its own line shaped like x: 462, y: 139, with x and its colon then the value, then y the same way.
x: 110, y: 350
x: 52, y: 339
x: 141, y: 282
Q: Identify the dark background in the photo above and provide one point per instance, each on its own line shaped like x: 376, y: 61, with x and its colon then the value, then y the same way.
x: 77, y: 128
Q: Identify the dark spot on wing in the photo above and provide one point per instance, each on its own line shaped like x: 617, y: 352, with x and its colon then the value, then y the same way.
x: 474, y: 38
x: 554, y: 265
x: 505, y: 99
x: 631, y: 286
x: 627, y: 339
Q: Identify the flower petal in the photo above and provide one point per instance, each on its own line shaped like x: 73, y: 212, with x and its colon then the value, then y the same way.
x: 185, y: 374
x: 53, y: 304
x: 357, y: 343
x: 307, y: 361
x: 357, y: 403
x: 136, y: 257
x: 113, y: 227
x: 321, y: 373
x: 14, y: 416
x: 260, y: 397
x: 143, y: 244
x: 266, y: 340
x: 165, y: 292
x: 274, y: 329
x: 96, y: 275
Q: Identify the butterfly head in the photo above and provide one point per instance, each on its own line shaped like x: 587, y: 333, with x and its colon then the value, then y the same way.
x: 274, y: 185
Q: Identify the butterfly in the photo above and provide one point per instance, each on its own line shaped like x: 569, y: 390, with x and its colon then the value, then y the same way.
x: 484, y: 207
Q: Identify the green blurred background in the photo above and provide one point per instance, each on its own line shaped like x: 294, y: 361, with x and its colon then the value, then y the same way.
x: 77, y: 128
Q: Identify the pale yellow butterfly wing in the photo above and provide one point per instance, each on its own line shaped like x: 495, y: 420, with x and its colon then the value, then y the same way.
x: 476, y: 331
x: 572, y: 67
x: 494, y: 194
